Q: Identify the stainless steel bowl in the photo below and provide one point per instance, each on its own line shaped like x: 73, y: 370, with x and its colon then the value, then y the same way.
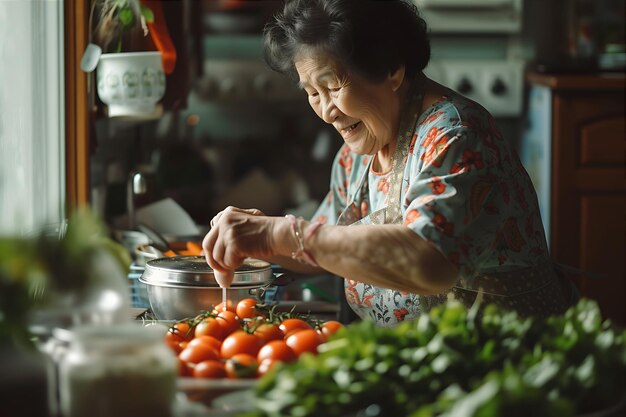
x: 182, y: 286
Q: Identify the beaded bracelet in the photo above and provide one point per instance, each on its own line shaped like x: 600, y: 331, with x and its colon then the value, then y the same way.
x: 301, y: 254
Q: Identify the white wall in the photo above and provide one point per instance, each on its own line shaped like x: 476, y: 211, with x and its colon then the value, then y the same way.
x: 32, y: 173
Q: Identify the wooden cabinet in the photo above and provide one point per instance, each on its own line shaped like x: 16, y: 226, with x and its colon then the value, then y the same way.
x: 587, y: 219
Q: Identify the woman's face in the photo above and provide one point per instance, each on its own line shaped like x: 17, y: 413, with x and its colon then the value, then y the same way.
x: 366, y: 114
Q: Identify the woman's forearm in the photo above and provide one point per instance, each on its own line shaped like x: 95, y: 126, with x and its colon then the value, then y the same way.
x: 293, y: 265
x: 389, y: 256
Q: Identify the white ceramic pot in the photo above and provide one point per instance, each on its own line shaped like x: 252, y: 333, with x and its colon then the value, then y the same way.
x: 131, y: 83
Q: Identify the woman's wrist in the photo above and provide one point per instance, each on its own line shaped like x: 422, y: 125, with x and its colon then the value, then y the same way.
x: 282, y: 243
x: 301, y: 233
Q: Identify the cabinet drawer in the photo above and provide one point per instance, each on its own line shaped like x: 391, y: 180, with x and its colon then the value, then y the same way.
x: 602, y: 142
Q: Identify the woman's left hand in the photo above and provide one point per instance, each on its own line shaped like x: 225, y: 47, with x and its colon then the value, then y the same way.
x: 237, y: 234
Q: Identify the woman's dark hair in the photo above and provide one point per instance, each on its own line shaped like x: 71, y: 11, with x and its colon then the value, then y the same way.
x: 370, y: 37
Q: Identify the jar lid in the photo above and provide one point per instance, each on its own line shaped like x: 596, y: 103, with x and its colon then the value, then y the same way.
x: 194, y: 271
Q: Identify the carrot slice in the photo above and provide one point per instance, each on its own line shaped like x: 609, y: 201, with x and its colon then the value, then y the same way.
x: 194, y: 248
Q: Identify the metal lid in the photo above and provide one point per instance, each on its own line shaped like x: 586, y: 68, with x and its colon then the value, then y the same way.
x: 194, y: 271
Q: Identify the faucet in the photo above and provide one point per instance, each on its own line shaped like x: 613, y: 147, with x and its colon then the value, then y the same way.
x: 136, y: 185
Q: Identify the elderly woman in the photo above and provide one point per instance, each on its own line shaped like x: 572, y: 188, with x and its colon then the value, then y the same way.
x: 427, y: 200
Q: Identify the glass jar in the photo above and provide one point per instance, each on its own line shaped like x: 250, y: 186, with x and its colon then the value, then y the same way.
x: 122, y: 370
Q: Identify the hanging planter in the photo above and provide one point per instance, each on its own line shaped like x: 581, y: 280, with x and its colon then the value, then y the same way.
x: 130, y: 81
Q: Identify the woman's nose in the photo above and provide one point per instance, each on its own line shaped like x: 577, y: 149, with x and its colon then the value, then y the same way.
x: 330, y: 112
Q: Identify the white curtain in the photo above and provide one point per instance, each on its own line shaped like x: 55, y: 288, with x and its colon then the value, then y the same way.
x: 32, y: 114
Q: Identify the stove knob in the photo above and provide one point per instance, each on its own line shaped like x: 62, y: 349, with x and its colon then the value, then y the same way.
x: 498, y: 87
x: 464, y: 86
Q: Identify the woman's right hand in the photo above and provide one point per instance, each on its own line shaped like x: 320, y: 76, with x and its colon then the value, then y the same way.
x: 237, y: 234
x: 224, y: 279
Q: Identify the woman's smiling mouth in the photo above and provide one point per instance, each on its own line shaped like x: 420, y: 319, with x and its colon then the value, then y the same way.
x: 346, y: 132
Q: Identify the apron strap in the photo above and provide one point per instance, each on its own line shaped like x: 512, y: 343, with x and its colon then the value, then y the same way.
x: 407, y: 130
x: 392, y: 213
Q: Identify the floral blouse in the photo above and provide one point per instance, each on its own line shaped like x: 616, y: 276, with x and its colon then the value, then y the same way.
x: 464, y: 190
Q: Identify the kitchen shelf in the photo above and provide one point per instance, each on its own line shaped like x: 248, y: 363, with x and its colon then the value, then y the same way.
x: 599, y: 82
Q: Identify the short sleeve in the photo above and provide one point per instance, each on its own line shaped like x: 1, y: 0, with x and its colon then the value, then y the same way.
x: 451, y: 179
x: 468, y: 193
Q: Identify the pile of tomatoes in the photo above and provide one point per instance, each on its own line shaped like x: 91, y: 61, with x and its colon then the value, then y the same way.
x: 243, y: 340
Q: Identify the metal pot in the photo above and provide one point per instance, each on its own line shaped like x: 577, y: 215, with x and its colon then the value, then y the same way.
x: 182, y: 286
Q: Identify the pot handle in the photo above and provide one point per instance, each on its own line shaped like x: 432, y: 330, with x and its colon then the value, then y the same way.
x: 282, y: 278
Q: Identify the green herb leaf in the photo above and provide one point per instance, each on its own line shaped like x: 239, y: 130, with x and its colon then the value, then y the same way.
x: 147, y: 14
x: 126, y: 16
x: 451, y: 363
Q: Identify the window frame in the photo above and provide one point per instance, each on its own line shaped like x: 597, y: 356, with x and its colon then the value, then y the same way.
x: 78, y: 106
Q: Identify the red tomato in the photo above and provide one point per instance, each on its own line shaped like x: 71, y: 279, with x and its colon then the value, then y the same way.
x: 292, y: 332
x: 220, y: 307
x: 228, y: 321
x: 173, y: 346
x: 176, y: 347
x: 289, y: 325
x: 276, y: 350
x: 304, y: 341
x: 209, y: 369
x: 240, y: 342
x: 179, y: 332
x: 246, y: 308
x: 209, y: 340
x: 265, y: 366
x: 209, y: 327
x: 241, y: 365
x: 329, y: 328
x: 185, y: 368
x: 199, y: 353
x: 268, y: 331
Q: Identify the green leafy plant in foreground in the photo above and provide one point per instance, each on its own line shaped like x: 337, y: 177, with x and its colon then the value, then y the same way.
x: 454, y: 362
x: 32, y: 269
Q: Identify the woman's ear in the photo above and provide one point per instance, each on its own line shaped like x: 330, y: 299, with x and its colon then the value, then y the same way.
x: 397, y: 77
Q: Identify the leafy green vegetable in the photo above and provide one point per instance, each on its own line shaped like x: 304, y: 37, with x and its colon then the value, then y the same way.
x: 33, y: 268
x: 457, y: 363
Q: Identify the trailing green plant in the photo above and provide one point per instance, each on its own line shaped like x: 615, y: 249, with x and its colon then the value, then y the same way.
x: 118, y: 18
